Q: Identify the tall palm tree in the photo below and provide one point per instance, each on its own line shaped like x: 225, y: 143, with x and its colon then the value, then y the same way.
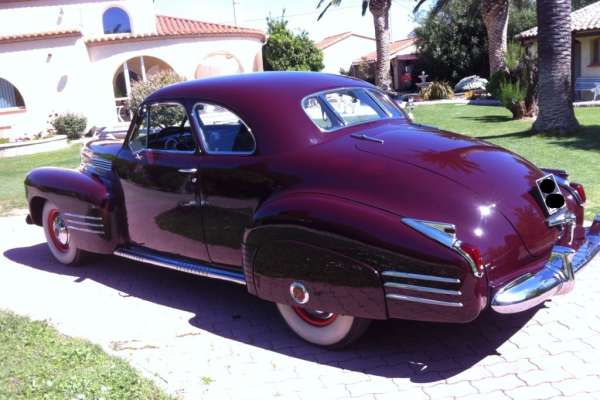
x: 554, y: 58
x: 380, y: 9
x: 495, y: 18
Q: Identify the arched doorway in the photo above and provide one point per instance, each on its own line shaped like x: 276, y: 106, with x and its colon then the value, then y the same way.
x: 134, y: 70
x: 222, y: 63
x: 10, y: 97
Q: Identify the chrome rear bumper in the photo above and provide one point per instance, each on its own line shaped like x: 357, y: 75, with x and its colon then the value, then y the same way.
x: 557, y: 277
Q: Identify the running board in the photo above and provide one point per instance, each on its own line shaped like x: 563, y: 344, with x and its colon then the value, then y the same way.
x: 144, y: 256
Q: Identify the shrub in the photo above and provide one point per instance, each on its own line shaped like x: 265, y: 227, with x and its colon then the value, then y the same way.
x: 512, y: 96
x: 140, y: 90
x: 496, y: 80
x: 70, y: 124
x: 437, y: 91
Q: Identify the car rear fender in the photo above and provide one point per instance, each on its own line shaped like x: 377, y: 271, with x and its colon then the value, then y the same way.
x: 340, y: 250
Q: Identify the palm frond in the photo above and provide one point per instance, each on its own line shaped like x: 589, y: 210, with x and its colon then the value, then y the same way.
x: 329, y: 4
x: 438, y: 6
x: 365, y: 6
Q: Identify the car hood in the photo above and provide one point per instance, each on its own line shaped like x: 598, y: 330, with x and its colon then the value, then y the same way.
x: 499, y: 177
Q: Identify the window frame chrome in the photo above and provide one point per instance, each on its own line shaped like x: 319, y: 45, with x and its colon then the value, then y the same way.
x: 198, y: 126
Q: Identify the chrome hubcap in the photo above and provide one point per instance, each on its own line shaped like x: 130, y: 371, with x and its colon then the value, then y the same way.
x: 60, y: 231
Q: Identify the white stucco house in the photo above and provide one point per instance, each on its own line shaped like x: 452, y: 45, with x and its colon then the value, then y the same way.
x: 340, y: 50
x: 82, y: 56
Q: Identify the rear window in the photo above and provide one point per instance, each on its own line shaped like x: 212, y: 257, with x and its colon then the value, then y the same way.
x: 349, y: 106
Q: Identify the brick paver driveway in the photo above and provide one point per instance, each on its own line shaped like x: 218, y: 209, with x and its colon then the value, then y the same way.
x: 206, y: 339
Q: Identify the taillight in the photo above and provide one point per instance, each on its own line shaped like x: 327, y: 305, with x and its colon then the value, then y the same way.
x: 580, y: 191
x: 473, y: 256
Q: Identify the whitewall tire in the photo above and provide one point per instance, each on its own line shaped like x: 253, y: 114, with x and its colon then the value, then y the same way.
x: 321, y: 328
x: 58, y: 236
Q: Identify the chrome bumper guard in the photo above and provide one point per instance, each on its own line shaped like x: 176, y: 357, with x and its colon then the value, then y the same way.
x: 557, y: 277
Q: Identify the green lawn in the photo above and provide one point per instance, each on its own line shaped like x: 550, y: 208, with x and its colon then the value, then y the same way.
x: 14, y: 169
x: 37, y: 362
x: 578, y: 154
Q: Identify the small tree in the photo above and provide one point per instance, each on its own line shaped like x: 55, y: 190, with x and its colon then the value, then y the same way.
x: 452, y: 42
x: 516, y: 87
x: 140, y: 89
x: 287, y: 51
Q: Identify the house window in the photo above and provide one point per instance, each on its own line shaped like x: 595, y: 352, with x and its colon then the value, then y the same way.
x: 116, y: 20
x: 9, y: 95
x: 596, y: 51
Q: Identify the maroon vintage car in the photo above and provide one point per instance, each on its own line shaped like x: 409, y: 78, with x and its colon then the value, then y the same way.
x: 318, y: 194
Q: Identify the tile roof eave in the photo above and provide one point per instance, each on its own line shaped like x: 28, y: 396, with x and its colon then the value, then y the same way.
x: 28, y: 37
x: 98, y: 41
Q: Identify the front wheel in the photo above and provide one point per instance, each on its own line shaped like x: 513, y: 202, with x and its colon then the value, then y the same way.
x: 323, y: 328
x: 59, y: 237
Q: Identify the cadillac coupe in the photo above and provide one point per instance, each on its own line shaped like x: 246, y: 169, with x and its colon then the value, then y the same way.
x: 318, y: 194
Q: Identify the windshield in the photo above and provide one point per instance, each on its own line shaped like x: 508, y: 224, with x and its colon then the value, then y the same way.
x: 348, y: 106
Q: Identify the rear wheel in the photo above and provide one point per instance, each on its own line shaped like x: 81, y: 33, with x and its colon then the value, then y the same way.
x: 58, y: 236
x: 323, y: 328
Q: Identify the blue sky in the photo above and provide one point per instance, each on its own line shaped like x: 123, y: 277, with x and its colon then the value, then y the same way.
x: 302, y: 14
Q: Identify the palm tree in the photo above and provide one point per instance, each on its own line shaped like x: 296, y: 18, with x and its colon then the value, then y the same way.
x: 381, y: 20
x: 495, y: 19
x: 554, y: 58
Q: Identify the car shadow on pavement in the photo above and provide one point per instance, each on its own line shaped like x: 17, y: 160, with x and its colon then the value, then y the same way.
x: 423, y: 352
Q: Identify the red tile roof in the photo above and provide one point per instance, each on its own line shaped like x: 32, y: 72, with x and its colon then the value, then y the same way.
x: 23, y: 37
x: 331, y: 40
x: 172, y: 28
x: 582, y: 20
x: 395, y: 48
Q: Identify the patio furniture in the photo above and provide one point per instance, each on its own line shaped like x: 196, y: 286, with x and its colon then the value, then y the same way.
x: 590, y: 84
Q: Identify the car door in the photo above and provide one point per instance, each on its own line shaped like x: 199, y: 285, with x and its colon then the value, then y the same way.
x: 158, y: 171
x: 234, y: 180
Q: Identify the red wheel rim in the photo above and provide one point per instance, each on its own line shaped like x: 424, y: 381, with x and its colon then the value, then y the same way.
x: 57, y: 228
x: 315, y: 318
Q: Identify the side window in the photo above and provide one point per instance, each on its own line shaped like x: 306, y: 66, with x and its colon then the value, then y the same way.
x: 163, y: 126
x: 223, y: 132
x: 139, y: 138
x: 320, y: 114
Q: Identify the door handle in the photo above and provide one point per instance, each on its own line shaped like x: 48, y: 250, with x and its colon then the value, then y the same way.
x: 188, y: 170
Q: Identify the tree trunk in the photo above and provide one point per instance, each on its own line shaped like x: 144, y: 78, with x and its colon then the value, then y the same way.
x: 495, y: 18
x: 380, y: 10
x: 554, y: 37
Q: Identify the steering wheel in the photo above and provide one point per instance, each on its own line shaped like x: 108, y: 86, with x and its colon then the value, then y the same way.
x: 171, y: 144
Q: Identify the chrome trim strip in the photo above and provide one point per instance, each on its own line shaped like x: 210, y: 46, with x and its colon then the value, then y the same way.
x: 182, y: 266
x: 425, y: 289
x: 71, y: 215
x: 75, y: 228
x: 424, y: 301
x: 81, y: 223
x: 431, y: 278
x: 445, y: 234
x: 555, y: 278
x: 434, y: 230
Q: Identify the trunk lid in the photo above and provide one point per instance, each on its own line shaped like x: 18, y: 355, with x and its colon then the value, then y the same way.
x: 496, y: 175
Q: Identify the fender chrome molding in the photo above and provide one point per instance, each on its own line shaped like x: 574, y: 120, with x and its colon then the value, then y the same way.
x: 413, y: 299
x: 445, y: 234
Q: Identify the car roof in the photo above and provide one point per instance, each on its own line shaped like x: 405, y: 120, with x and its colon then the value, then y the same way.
x: 269, y: 103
